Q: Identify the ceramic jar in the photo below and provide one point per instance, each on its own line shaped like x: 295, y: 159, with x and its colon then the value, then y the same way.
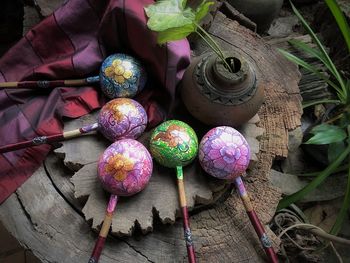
x: 261, y: 12
x: 216, y: 96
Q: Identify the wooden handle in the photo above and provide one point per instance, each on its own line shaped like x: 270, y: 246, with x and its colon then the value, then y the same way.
x: 96, y: 253
x: 49, y: 83
x: 186, y: 221
x: 48, y: 139
x: 258, y: 227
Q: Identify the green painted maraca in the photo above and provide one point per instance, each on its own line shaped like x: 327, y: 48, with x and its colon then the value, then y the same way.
x: 174, y: 144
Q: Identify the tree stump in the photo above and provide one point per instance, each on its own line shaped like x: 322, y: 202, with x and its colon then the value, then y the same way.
x: 159, y: 198
x: 45, y: 216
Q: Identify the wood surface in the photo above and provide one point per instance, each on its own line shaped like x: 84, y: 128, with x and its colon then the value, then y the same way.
x: 45, y: 216
x: 160, y: 196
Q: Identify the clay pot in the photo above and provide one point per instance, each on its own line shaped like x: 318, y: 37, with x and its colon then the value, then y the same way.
x: 216, y: 96
x: 262, y: 12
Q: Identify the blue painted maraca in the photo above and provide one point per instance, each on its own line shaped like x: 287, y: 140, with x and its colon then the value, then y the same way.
x: 120, y: 75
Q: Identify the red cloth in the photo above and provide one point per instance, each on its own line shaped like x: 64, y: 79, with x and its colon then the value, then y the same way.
x: 72, y: 43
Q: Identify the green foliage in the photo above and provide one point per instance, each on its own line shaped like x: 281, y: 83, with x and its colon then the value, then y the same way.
x: 315, y: 182
x: 334, y: 150
x: 335, y: 133
x: 168, y: 14
x: 326, y: 134
x: 343, y: 210
x: 173, y: 21
x: 340, y: 19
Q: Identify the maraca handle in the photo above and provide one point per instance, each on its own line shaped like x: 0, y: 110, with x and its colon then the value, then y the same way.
x: 186, y: 221
x: 96, y: 253
x: 258, y: 227
x: 48, y: 139
x: 48, y: 83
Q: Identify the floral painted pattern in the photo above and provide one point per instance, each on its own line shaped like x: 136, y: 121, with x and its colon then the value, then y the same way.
x: 122, y: 118
x: 120, y: 70
x: 125, y: 167
x: 224, y: 153
x: 175, y: 136
x: 122, y: 76
x: 119, y: 166
x: 174, y: 143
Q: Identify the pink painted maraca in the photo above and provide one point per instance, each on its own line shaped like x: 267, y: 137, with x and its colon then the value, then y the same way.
x: 118, y: 119
x: 124, y: 169
x: 224, y: 153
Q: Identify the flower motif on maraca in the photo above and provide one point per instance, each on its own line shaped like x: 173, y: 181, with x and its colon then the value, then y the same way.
x: 122, y: 76
x: 174, y: 143
x: 122, y: 118
x: 224, y: 153
x: 125, y: 167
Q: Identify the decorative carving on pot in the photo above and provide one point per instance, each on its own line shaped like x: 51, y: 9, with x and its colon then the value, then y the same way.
x: 216, y: 96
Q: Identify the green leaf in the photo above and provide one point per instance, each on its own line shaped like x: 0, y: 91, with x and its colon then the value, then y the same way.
x: 341, y: 20
x: 307, y: 49
x: 343, y: 210
x: 313, y: 52
x: 326, y: 134
x: 316, y: 102
x: 334, y: 150
x: 176, y: 33
x: 314, y: 70
x: 286, y: 201
x: 319, y: 45
x: 202, y: 10
x: 166, y: 14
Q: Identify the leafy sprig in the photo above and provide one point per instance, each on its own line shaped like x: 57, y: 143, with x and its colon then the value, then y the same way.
x: 337, y: 134
x: 173, y: 20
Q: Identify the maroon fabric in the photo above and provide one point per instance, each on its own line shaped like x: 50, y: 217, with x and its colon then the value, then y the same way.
x: 72, y: 43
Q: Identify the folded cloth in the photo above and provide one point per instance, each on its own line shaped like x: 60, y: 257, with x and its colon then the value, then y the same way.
x: 72, y: 43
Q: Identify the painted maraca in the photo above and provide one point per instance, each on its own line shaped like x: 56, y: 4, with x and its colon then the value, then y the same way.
x: 124, y: 169
x: 119, y: 118
x: 120, y: 75
x: 174, y: 144
x: 224, y: 153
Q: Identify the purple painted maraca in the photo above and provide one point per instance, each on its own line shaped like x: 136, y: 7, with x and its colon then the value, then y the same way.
x: 118, y: 119
x: 224, y: 153
x: 122, y: 118
x: 124, y: 169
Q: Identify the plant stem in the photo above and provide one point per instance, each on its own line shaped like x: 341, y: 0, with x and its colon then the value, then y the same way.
x: 215, y: 47
x: 211, y: 39
x: 286, y: 201
x: 313, y: 174
x: 343, y: 210
x: 209, y: 44
x: 317, y: 231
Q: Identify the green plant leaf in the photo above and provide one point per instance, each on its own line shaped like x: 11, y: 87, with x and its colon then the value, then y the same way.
x: 316, y: 102
x: 341, y: 20
x: 313, y: 52
x: 334, y: 150
x: 320, y: 46
x: 314, y: 70
x: 326, y: 134
x: 176, y: 33
x: 286, y: 201
x: 343, y: 210
x: 307, y: 49
x: 202, y: 10
x: 166, y: 14
x: 313, y: 174
x: 173, y: 21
